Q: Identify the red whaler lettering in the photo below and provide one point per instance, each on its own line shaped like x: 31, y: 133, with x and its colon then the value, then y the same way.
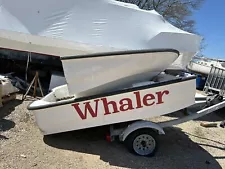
x: 122, y: 105
x: 87, y: 108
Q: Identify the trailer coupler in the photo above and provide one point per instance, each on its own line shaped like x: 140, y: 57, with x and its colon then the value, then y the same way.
x: 213, y: 99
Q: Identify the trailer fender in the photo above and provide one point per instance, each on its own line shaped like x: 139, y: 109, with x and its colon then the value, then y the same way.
x: 140, y: 125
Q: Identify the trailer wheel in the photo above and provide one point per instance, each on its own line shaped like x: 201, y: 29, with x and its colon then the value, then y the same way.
x: 142, y: 142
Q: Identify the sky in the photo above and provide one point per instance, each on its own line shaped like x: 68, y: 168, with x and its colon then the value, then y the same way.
x: 210, y: 23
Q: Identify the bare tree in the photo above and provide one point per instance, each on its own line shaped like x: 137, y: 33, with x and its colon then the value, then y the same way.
x: 177, y: 12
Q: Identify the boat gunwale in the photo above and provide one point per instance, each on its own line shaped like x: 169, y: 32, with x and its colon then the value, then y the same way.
x: 122, y: 52
x: 69, y: 101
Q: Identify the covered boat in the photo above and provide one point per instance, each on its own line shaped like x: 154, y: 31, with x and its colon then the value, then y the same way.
x: 204, y: 65
x: 75, y: 27
x: 82, y: 31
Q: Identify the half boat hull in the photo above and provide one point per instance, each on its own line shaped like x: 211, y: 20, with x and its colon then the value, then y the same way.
x: 103, y: 72
x: 204, y: 67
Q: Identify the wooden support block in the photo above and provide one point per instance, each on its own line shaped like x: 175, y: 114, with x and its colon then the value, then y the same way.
x: 208, y: 124
x: 35, y: 81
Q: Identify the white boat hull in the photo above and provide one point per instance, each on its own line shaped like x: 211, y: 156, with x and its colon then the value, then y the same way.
x: 203, y: 67
x: 128, y: 105
x: 94, y: 74
x: 195, y: 67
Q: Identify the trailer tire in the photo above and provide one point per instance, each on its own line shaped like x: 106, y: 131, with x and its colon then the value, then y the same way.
x: 142, y: 142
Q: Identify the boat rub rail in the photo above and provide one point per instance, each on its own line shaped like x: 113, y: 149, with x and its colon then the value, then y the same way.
x: 103, y: 54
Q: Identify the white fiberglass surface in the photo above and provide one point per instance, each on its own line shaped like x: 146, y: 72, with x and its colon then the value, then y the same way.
x: 58, y: 93
x: 104, y: 73
x: 67, y: 117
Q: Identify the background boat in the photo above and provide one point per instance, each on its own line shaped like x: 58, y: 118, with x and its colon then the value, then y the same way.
x: 203, y: 65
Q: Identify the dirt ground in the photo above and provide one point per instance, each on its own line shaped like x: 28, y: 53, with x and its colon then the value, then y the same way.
x: 23, y: 146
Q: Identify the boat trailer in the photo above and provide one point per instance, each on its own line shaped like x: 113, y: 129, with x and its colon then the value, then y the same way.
x: 140, y: 137
x: 124, y: 110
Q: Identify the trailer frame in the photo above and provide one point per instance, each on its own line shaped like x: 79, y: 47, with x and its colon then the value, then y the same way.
x: 147, y: 131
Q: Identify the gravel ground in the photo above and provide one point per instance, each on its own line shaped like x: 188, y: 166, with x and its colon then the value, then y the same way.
x: 187, y: 145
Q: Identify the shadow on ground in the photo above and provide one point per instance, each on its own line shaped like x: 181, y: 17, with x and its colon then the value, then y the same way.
x: 7, y: 124
x: 9, y: 107
x: 176, y: 150
x: 216, y: 116
x: 4, y: 126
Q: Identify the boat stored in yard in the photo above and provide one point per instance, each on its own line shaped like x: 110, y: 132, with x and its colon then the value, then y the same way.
x: 59, y: 112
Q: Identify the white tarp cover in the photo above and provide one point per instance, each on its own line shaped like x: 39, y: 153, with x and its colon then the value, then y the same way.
x: 71, y: 27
